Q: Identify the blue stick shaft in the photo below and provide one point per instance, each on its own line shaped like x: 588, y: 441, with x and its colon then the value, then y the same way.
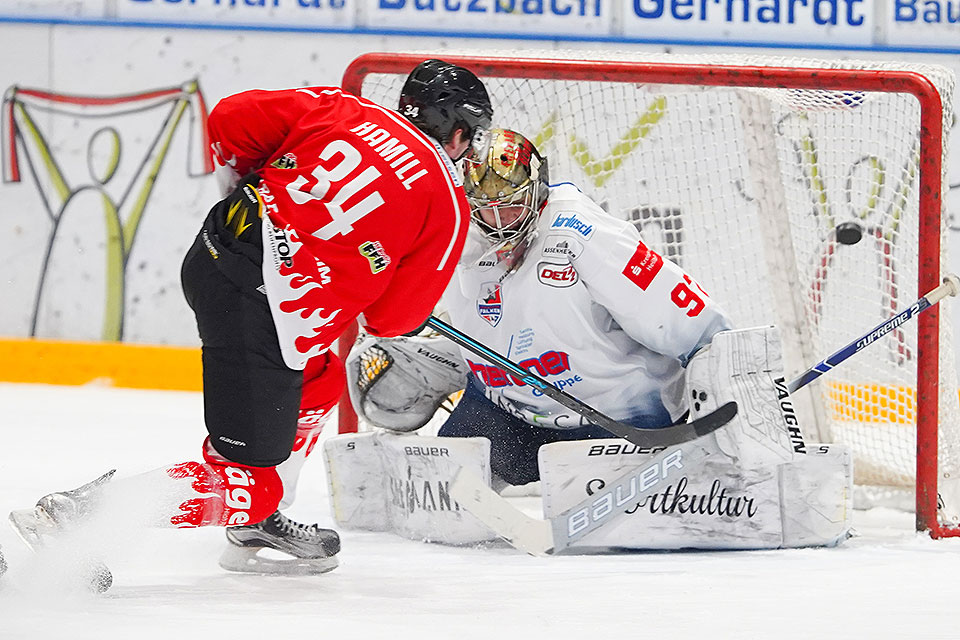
x: 948, y: 288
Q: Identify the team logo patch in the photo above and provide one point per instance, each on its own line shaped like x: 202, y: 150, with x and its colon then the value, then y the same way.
x: 286, y: 161
x: 373, y: 251
x: 557, y: 275
x: 572, y: 222
x: 561, y: 247
x: 490, y: 303
x: 643, y: 267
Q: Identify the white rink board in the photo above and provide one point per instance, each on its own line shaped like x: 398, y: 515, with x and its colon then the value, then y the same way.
x: 889, y: 583
x: 129, y: 60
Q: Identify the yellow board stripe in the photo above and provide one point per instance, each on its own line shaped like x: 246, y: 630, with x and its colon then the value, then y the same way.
x: 114, y: 363
x: 179, y: 369
x: 888, y: 404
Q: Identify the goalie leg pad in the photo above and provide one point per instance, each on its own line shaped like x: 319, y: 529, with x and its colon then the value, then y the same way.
x: 382, y: 481
x: 693, y: 496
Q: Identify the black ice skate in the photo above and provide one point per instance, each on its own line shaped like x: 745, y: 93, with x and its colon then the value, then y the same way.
x: 311, y: 550
x: 60, y: 512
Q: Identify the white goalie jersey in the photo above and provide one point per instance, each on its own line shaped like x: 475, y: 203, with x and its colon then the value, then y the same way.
x: 592, y: 309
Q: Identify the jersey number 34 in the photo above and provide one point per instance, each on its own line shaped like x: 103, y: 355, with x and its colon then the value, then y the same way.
x: 341, y: 220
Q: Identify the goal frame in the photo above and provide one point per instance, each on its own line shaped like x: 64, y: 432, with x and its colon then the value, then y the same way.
x: 724, y: 75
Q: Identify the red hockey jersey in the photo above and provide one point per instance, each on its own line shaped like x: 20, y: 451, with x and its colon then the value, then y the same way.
x: 364, y: 215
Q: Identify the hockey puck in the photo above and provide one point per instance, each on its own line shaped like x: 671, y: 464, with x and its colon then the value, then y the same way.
x: 849, y: 232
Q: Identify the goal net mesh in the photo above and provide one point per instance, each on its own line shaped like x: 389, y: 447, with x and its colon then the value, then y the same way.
x: 745, y: 189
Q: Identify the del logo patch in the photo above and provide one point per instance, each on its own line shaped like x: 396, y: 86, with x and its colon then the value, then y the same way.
x: 557, y: 275
x: 643, y: 266
x: 490, y: 303
x: 373, y: 251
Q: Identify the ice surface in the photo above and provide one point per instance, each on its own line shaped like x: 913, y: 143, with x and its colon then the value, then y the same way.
x: 887, y: 583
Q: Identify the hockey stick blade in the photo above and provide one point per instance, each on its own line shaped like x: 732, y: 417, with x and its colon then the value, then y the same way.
x: 659, y: 437
x: 676, y: 433
x: 519, y: 530
x: 687, y: 431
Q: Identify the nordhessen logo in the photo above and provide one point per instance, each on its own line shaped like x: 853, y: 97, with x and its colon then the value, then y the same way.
x: 570, y: 222
x: 557, y: 275
x: 643, y: 266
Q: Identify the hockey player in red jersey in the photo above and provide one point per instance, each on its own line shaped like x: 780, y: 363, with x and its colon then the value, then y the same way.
x: 336, y: 209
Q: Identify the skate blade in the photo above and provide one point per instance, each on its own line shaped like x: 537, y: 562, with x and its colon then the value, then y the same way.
x: 28, y: 527
x: 246, y: 560
x: 31, y: 529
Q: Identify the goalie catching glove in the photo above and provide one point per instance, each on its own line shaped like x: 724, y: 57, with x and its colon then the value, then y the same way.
x: 399, y: 383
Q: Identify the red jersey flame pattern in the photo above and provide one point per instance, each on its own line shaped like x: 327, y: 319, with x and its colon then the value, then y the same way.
x: 303, y: 300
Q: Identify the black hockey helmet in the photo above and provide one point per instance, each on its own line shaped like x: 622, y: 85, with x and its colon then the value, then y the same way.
x: 439, y: 98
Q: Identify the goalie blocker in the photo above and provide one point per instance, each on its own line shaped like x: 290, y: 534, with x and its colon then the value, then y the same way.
x: 752, y: 484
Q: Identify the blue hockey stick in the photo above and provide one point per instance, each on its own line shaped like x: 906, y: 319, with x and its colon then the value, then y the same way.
x: 662, y: 437
x: 950, y: 287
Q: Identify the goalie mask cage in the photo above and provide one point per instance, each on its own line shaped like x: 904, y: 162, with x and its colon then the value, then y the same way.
x: 740, y: 169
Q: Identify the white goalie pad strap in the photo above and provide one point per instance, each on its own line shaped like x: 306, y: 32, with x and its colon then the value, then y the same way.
x: 381, y: 481
x: 399, y: 383
x: 746, y: 365
x: 692, y: 496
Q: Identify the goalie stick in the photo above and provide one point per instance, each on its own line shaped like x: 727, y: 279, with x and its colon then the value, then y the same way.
x: 666, y: 436
x: 540, y: 537
x: 950, y: 287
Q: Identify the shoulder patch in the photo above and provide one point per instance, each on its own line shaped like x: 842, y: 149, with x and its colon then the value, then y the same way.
x: 557, y: 246
x: 643, y: 266
x: 374, y: 252
x: 571, y: 222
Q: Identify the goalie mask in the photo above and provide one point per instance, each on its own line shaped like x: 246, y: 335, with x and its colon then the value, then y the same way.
x: 507, y: 189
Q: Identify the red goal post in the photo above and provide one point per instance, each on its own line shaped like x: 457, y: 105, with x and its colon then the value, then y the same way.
x: 817, y: 81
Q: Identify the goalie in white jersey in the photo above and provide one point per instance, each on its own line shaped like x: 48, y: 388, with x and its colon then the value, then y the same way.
x: 553, y: 282
x: 550, y: 280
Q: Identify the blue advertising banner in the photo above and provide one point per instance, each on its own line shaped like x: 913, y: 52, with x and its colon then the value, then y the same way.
x: 266, y: 13
x: 923, y: 23
x: 555, y: 17
x: 76, y: 9
x: 822, y: 22
x: 905, y: 25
